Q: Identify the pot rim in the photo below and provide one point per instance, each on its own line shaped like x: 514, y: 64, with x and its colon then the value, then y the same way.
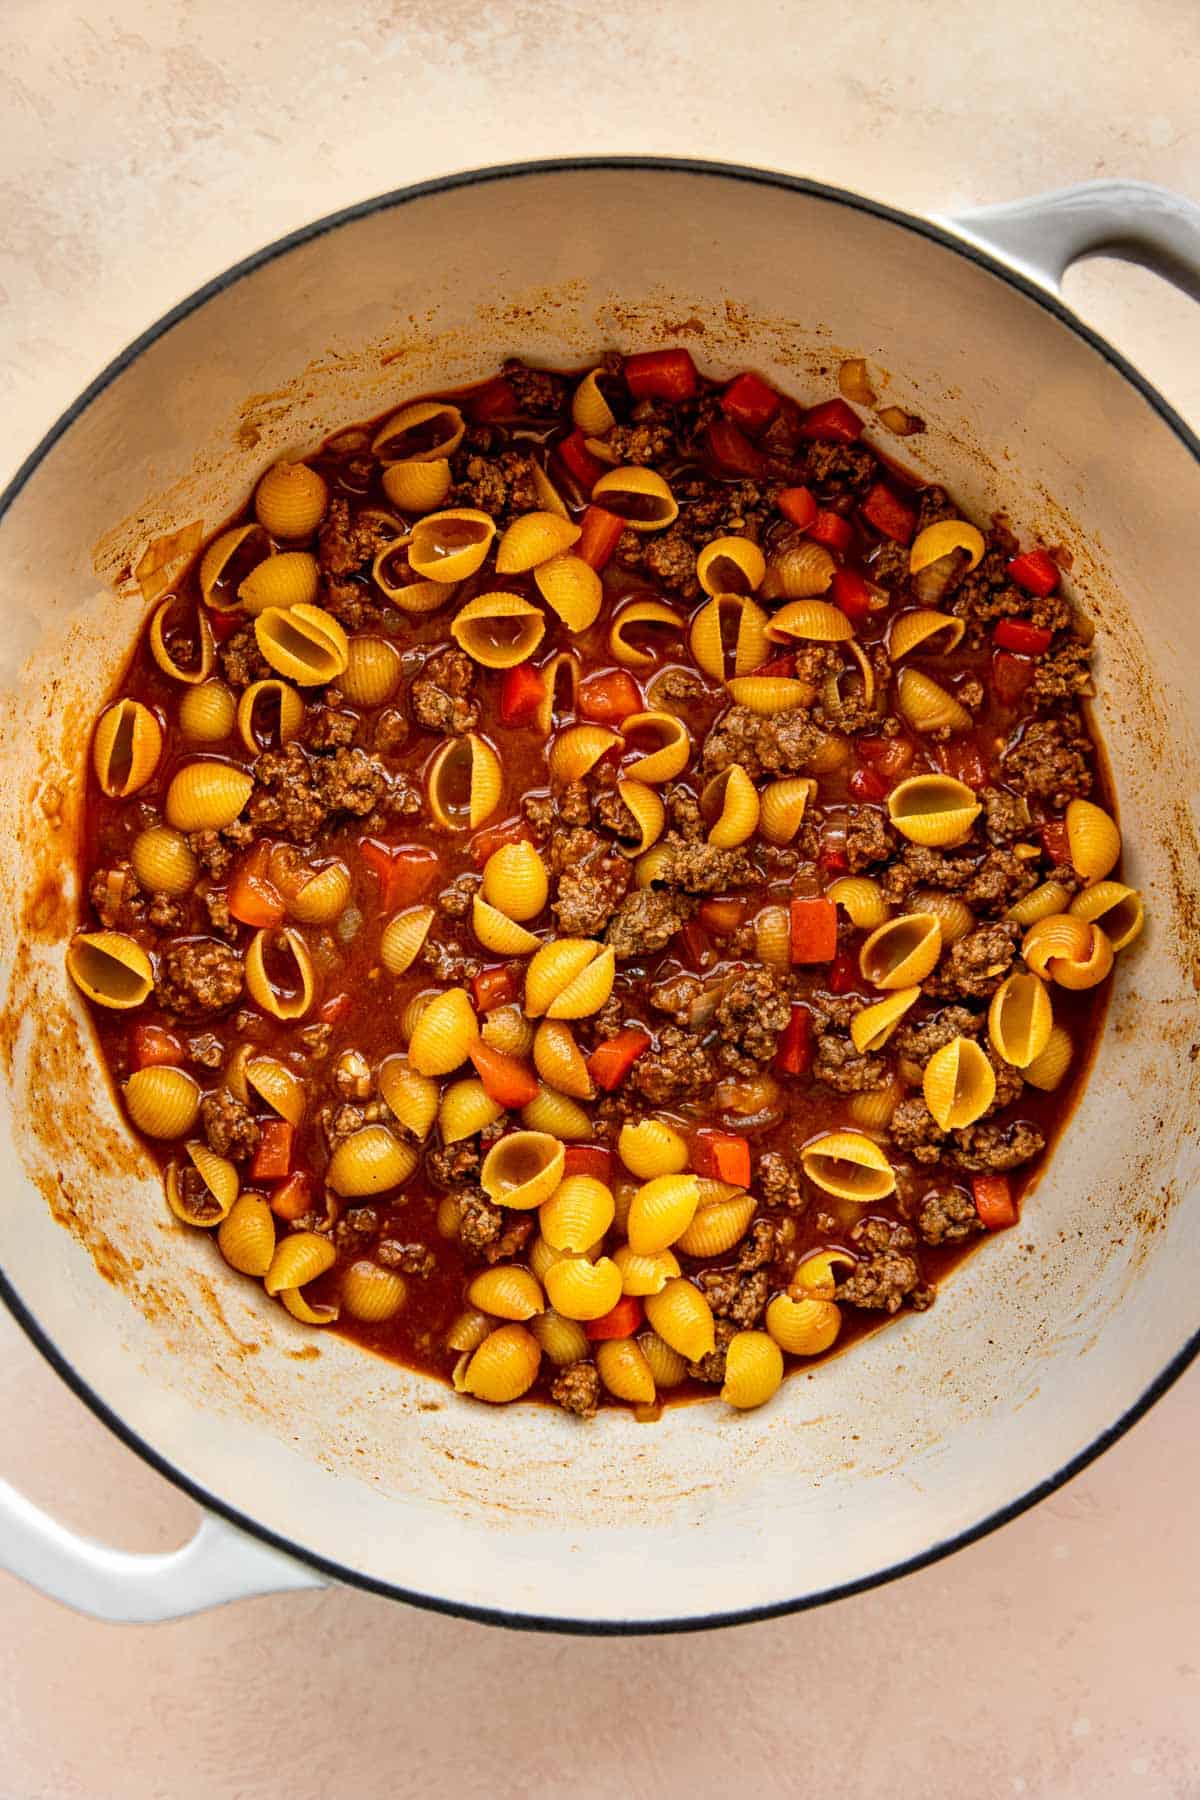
x: 993, y: 264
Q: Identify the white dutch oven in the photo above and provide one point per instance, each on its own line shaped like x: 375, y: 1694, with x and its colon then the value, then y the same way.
x: 1041, y: 1349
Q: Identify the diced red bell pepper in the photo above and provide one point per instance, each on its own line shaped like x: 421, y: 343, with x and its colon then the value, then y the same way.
x: 844, y: 975
x: 508, y: 831
x: 994, y: 1201
x: 793, y: 1056
x: 273, y: 1158
x: 721, y: 916
x: 750, y: 402
x: 588, y: 1159
x: 495, y: 400
x: 584, y: 468
x: 965, y: 761
x: 599, y: 533
x: 609, y: 697
x: 224, y: 621
x: 732, y: 450
x: 624, y: 1319
x: 505, y: 1080
x: 851, y: 593
x: 832, y: 858
x: 292, y: 1198
x: 611, y: 1061
x: 1056, y: 842
x: 492, y: 988
x: 660, y: 375
x: 694, y: 947
x: 253, y: 898
x: 867, y: 784
x: 521, y: 693
x: 890, y: 756
x: 797, y: 505
x: 833, y: 422
x: 814, y: 931
x: 1011, y: 675
x: 335, y: 1009
x: 1025, y: 639
x: 889, y: 514
x: 1035, y: 571
x: 151, y: 1046
x: 405, y: 871
x: 779, y: 665
x: 721, y: 1155
x: 830, y: 529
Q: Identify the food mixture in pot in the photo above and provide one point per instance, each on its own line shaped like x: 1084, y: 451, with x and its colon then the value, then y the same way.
x: 601, y: 887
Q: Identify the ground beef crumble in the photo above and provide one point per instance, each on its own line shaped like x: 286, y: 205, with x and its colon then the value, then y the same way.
x: 198, y: 975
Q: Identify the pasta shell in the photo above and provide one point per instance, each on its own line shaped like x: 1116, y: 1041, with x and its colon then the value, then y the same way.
x: 577, y: 1214
x: 468, y: 1330
x: 766, y: 695
x: 289, y: 579
x: 303, y: 643
x: 1087, y: 968
x: 730, y: 628
x: 952, y: 914
x: 934, y: 810
x: 369, y: 1161
x: 560, y: 670
x: 404, y: 937
x: 466, y: 1108
x: 411, y: 1097
x: 1020, y: 1020
x: 959, y: 1084
x: 589, y: 990
x: 126, y: 748
x: 817, y: 1276
x: 873, y: 1108
x: 548, y: 496
x: 641, y: 612
x: 413, y: 1008
x: 503, y: 936
x: 560, y: 1062
x: 1047, y: 1070
x: 206, y: 796
x: 290, y: 500
x: 642, y: 1275
x: 927, y: 706
x: 812, y: 621
x: 417, y: 487
x: 373, y: 670
x: 683, y: 1319
x: 579, y: 1289
x: 322, y: 897
x: 504, y: 1367
x: 1094, y: 840
x: 392, y: 573
x: 533, y: 539
x: 901, y: 952
x: 649, y: 814
x: 275, y: 1083
x: 943, y: 539
x: 562, y: 1340
x: 464, y: 783
x: 181, y: 641
x: 568, y: 979
x: 542, y: 1257
x: 371, y: 1293
x: 299, y: 1258
x: 773, y: 938
x: 110, y: 968
x: 444, y: 1034
x: 162, y: 1101
x: 281, y: 710
x: 449, y: 546
x: 1058, y: 937
x: 653, y: 865
x: 571, y: 588
x: 207, y: 712
x: 660, y: 1212
x: 729, y: 805
x: 871, y: 1028
x: 163, y: 862
x: 227, y: 562
x: 302, y: 1309
x: 624, y: 1371
x: 639, y: 496
x: 797, y: 570
x: 589, y: 409
x: 515, y: 881
x: 523, y: 1169
x: 674, y: 746
x: 506, y: 1292
x: 782, y: 807
x: 577, y: 750
x: 717, y: 1227
x: 557, y: 1114
x: 666, y: 1365
x: 1051, y: 897
x: 506, y: 1028
x: 1113, y: 906
x: 753, y: 1370
x: 849, y: 1166
x: 861, y: 899
x: 730, y: 565
x: 282, y: 995
x: 651, y: 1147
x: 920, y: 627
x: 427, y: 431
x: 246, y: 1236
x: 803, y: 1327
x: 498, y: 630
x: 211, y: 1202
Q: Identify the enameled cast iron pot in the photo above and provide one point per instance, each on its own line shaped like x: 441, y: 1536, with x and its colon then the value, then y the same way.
x: 315, y: 1461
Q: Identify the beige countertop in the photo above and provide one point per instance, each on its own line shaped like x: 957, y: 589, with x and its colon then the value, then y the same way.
x: 146, y: 145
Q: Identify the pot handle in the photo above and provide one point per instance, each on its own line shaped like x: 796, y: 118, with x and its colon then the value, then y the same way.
x: 219, y: 1564
x: 1132, y: 220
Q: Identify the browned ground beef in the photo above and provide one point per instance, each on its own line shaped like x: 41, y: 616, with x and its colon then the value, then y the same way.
x: 777, y: 1182
x: 480, y: 1223
x: 456, y: 1164
x: 443, y: 695
x: 948, y: 1216
x: 887, y: 1274
x: 837, y: 1063
x: 296, y: 793
x: 241, y: 659
x: 577, y: 1389
x: 541, y: 393
x: 753, y: 1009
x: 677, y: 997
x: 915, y: 1130
x: 869, y: 839
x: 198, y: 975
x: 119, y: 902
x: 610, y: 811
x: 645, y: 921
x: 671, y: 559
x: 589, y: 894
x: 1048, y: 761
x: 1062, y: 675
x: 540, y: 811
x: 230, y: 1127
x: 978, y: 963
x: 410, y: 1259
x: 501, y: 485
x: 711, y: 1368
x: 700, y: 868
x: 678, y: 1067
x: 992, y: 1148
x: 348, y: 599
x: 1006, y: 814
x: 683, y: 811
x: 781, y: 745
x: 919, y: 1039
x: 329, y: 729
x: 735, y: 1296
x: 643, y: 443
x: 347, y: 540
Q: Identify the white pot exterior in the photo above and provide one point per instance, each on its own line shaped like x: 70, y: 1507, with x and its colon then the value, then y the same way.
x: 1039, y: 1346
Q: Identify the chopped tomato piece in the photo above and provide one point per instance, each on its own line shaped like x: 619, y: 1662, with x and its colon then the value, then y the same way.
x: 830, y: 529
x: 889, y: 514
x: 609, y: 697
x: 750, y: 402
x: 694, y: 946
x: 509, y: 831
x: 851, y: 593
x: 611, y: 1061
x: 1035, y: 571
x: 1011, y: 675
x: 1056, y: 842
x: 152, y: 1045
x: 994, y: 1201
x: 833, y: 422
x: 868, y: 784
x: 273, y: 1158
x: 521, y: 693
x: 832, y: 858
x: 798, y: 505
x: 723, y: 1155
x: 224, y: 622
x: 588, y: 1159
x: 1019, y: 635
x: 732, y: 450
x: 253, y: 898
x: 844, y: 975
x: 495, y: 400
x: 721, y: 916
x: 335, y: 1009
x: 492, y: 988
x: 965, y: 761
x: 891, y: 756
x: 505, y: 1080
x: 293, y: 1197
x: 794, y: 1053
x: 779, y: 665
x: 584, y: 468
x: 599, y: 533
x: 660, y: 375
x: 621, y: 1322
x: 814, y: 931
x: 405, y: 871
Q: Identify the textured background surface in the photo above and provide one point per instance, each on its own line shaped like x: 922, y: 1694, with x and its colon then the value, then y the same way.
x: 143, y: 147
